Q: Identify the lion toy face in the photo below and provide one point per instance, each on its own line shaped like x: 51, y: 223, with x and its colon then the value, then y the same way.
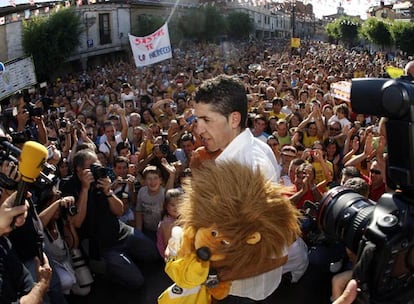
x: 237, y: 216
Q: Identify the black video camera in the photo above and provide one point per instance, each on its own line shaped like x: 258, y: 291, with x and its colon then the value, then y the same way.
x: 380, y: 234
x: 22, y: 136
x: 33, y: 110
x: 11, y: 153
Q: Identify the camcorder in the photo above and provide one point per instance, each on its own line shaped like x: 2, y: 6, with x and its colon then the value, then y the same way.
x: 380, y: 233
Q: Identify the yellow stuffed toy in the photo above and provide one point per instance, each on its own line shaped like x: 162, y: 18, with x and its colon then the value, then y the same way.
x: 234, y: 222
x: 190, y: 272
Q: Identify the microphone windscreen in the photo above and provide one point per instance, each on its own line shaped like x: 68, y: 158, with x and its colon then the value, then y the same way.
x: 31, y: 161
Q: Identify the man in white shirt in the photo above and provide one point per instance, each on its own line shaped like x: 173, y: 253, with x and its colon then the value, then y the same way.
x: 221, y: 111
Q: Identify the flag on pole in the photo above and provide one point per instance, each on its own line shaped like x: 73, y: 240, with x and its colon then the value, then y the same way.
x: 295, y: 42
x: 151, y: 49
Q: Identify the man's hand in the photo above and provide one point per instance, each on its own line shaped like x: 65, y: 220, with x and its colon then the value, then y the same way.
x: 8, y: 212
x: 105, y: 185
x: 349, y: 295
x: 86, y: 178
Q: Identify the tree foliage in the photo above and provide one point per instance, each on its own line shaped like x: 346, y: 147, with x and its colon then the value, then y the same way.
x: 344, y: 29
x: 50, y: 41
x: 203, y: 24
x: 147, y: 24
x: 377, y: 31
x: 239, y: 25
x: 403, y: 34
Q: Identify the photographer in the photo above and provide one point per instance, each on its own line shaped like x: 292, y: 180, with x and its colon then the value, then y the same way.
x: 124, y: 182
x: 60, y: 238
x: 97, y: 220
x: 29, y: 121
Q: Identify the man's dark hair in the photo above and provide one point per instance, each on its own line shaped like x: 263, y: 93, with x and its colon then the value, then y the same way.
x: 186, y: 137
x: 351, y: 171
x: 122, y: 145
x: 277, y: 100
x: 226, y: 94
x: 121, y: 159
x: 359, y: 185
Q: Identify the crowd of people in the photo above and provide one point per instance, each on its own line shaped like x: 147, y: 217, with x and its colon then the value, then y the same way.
x: 123, y: 139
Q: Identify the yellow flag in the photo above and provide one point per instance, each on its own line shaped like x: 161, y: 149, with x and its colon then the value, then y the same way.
x: 295, y: 42
x: 394, y: 72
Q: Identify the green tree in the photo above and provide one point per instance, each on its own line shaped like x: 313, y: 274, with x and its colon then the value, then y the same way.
x: 377, y: 31
x: 239, y: 25
x: 203, y: 24
x: 332, y: 29
x: 344, y: 29
x: 50, y: 41
x: 403, y: 34
x: 147, y: 24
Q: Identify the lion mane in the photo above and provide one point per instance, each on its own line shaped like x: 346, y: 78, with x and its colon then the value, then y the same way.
x: 239, y: 201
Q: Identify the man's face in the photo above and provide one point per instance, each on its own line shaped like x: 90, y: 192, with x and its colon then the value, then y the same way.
x: 86, y: 165
x: 121, y: 169
x: 134, y: 120
x: 273, y: 124
x: 187, y: 147
x: 282, y: 129
x: 110, y: 132
x: 259, y: 125
x: 334, y: 129
x: 375, y: 174
x: 215, y: 130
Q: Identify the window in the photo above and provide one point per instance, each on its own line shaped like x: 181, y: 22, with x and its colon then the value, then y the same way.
x: 104, y: 29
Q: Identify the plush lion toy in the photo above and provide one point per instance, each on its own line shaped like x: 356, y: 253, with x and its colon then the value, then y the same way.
x: 234, y: 222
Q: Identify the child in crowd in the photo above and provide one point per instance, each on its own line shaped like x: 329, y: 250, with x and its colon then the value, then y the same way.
x: 128, y: 217
x: 169, y: 215
x: 151, y: 198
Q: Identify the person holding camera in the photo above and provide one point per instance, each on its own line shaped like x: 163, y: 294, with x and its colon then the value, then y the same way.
x: 118, y: 244
x: 58, y: 227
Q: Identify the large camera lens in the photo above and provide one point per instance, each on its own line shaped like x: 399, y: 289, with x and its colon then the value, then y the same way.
x: 344, y: 215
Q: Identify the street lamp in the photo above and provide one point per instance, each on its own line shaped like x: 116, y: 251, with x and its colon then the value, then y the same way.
x: 293, y: 3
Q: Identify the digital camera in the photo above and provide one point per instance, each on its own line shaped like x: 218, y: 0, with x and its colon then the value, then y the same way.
x: 380, y: 233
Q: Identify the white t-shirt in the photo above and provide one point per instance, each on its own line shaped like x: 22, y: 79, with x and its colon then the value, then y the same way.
x: 105, y: 146
x: 247, y: 149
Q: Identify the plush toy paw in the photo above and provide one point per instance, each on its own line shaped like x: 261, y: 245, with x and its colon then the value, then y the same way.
x: 220, y: 291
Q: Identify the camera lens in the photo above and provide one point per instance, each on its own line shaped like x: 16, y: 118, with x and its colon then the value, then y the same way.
x: 72, y: 210
x: 344, y: 215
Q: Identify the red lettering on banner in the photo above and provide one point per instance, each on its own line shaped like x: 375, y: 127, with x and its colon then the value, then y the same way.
x: 148, y: 40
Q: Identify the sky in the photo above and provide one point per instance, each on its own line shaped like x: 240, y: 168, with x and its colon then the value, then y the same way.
x: 320, y: 7
x: 352, y: 7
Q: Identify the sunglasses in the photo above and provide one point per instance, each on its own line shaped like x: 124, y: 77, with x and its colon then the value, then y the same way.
x: 374, y: 171
x: 335, y: 129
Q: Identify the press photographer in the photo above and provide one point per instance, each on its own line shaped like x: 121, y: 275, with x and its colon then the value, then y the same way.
x: 380, y: 233
x: 27, y: 123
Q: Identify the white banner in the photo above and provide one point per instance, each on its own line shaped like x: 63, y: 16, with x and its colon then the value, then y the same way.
x: 152, y: 48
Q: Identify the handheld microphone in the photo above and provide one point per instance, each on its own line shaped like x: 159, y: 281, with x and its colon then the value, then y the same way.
x: 32, y: 158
